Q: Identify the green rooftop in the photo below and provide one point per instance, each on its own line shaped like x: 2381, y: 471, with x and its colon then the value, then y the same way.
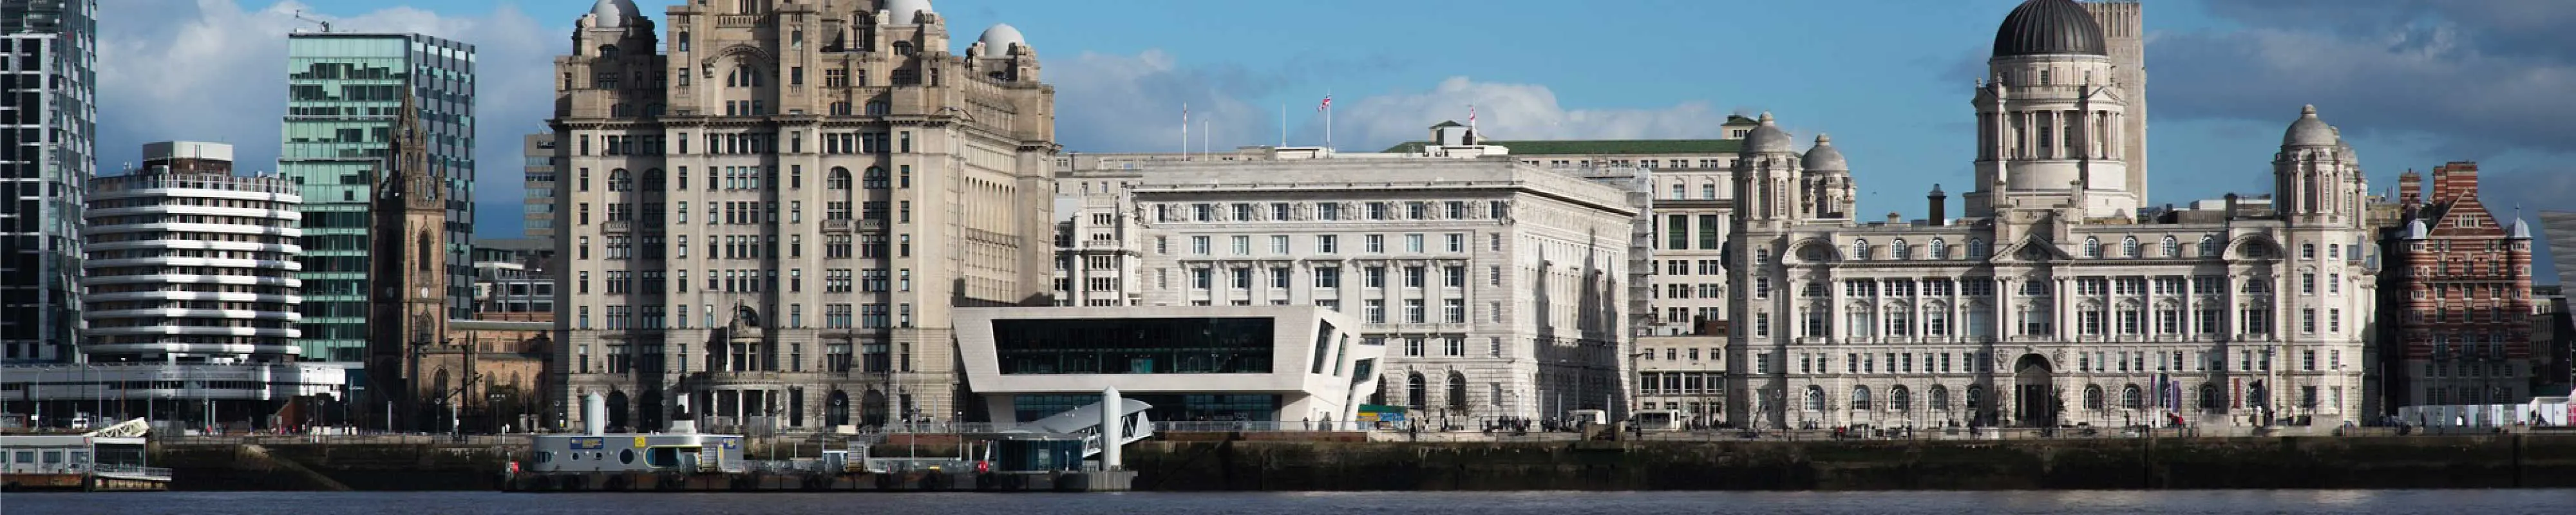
x: 1603, y: 146
x: 1740, y: 120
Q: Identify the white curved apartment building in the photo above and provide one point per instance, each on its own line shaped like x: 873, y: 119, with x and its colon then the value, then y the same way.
x: 190, y: 297
x: 192, y: 266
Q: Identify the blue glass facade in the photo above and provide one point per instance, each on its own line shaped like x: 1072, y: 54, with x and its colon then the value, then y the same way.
x: 48, y: 113
x: 344, y: 93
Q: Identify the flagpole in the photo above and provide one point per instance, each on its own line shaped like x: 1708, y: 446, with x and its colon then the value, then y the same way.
x: 1283, y: 125
x: 1328, y: 120
x: 1185, y: 131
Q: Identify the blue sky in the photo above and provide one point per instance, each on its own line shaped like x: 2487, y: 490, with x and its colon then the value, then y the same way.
x: 2413, y: 83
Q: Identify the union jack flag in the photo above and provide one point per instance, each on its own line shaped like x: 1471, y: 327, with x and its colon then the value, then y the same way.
x: 1328, y: 103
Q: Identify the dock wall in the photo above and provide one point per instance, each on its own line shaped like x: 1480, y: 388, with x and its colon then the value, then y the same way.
x: 1214, y: 464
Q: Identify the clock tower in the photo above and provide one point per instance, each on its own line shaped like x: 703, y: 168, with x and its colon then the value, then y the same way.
x: 408, y: 297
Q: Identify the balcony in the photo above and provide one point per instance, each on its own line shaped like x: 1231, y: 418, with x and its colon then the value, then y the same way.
x: 617, y: 227
x: 740, y: 21
x: 847, y: 225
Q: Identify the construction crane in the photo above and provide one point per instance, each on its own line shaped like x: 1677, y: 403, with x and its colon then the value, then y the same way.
x: 326, y: 25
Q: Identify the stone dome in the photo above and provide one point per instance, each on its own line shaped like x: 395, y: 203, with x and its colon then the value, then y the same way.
x: 2049, y: 27
x: 906, y: 12
x: 1823, y: 158
x: 2309, y: 130
x: 1768, y: 137
x: 998, y: 40
x: 613, y: 13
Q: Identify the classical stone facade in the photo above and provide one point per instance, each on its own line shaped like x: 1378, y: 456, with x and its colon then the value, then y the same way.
x: 2054, y: 301
x: 768, y: 208
x: 1498, y: 288
x: 2461, y: 299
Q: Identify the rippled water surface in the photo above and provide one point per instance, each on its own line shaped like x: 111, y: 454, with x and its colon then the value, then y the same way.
x: 2460, y: 502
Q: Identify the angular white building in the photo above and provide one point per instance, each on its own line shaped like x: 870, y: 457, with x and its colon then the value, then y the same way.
x: 1287, y: 365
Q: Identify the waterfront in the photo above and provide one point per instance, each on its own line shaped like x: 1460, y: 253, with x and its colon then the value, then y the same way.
x: 2174, y: 502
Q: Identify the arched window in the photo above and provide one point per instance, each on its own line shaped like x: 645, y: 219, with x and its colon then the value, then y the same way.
x: 2173, y: 247
x: 618, y: 412
x: 1900, y: 399
x: 1415, y: 391
x: 1457, y: 391
x: 1899, y: 251
x: 1815, y: 398
x: 2208, y: 245
x: 2093, y: 397
x: 1977, y: 248
x: 618, y: 180
x: 1976, y: 397
x: 1940, y: 249
x: 2210, y: 401
x: 1940, y: 397
x: 2257, y: 285
x: 1860, y: 250
x: 423, y: 247
x: 2131, y: 398
x: 836, y: 412
x: 839, y: 180
x: 653, y: 179
x: 2092, y: 247
x: 874, y: 178
x: 1860, y: 398
x: 2129, y: 247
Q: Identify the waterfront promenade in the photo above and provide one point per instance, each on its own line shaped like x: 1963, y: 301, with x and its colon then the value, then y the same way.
x: 1668, y: 461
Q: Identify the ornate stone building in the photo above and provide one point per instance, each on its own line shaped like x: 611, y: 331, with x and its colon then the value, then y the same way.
x: 2461, y: 286
x: 2054, y: 301
x: 768, y: 208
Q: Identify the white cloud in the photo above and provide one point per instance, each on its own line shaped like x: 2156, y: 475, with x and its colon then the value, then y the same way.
x: 1506, y: 111
x: 1113, y: 103
x: 1116, y: 103
x: 209, y: 70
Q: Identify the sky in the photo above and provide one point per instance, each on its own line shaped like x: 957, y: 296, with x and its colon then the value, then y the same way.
x: 2412, y: 83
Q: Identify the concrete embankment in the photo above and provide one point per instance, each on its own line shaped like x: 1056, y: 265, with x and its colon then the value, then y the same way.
x: 335, y: 467
x: 2347, y: 462
x: 2505, y: 461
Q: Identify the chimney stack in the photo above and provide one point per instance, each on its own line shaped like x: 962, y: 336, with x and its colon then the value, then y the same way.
x: 1940, y: 207
x: 2230, y: 214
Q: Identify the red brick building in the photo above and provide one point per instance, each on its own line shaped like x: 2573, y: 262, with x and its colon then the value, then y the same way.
x: 2459, y: 297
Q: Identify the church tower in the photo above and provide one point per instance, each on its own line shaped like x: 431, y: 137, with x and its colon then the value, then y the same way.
x: 2050, y: 118
x: 409, y: 300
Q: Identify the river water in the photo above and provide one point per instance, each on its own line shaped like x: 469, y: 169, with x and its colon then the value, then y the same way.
x: 2192, y: 502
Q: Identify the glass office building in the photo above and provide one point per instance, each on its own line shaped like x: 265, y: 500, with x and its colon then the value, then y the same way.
x: 48, y: 113
x: 344, y: 92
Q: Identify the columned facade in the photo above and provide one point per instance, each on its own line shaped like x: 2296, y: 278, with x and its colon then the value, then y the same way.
x: 768, y: 208
x: 2054, y: 302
